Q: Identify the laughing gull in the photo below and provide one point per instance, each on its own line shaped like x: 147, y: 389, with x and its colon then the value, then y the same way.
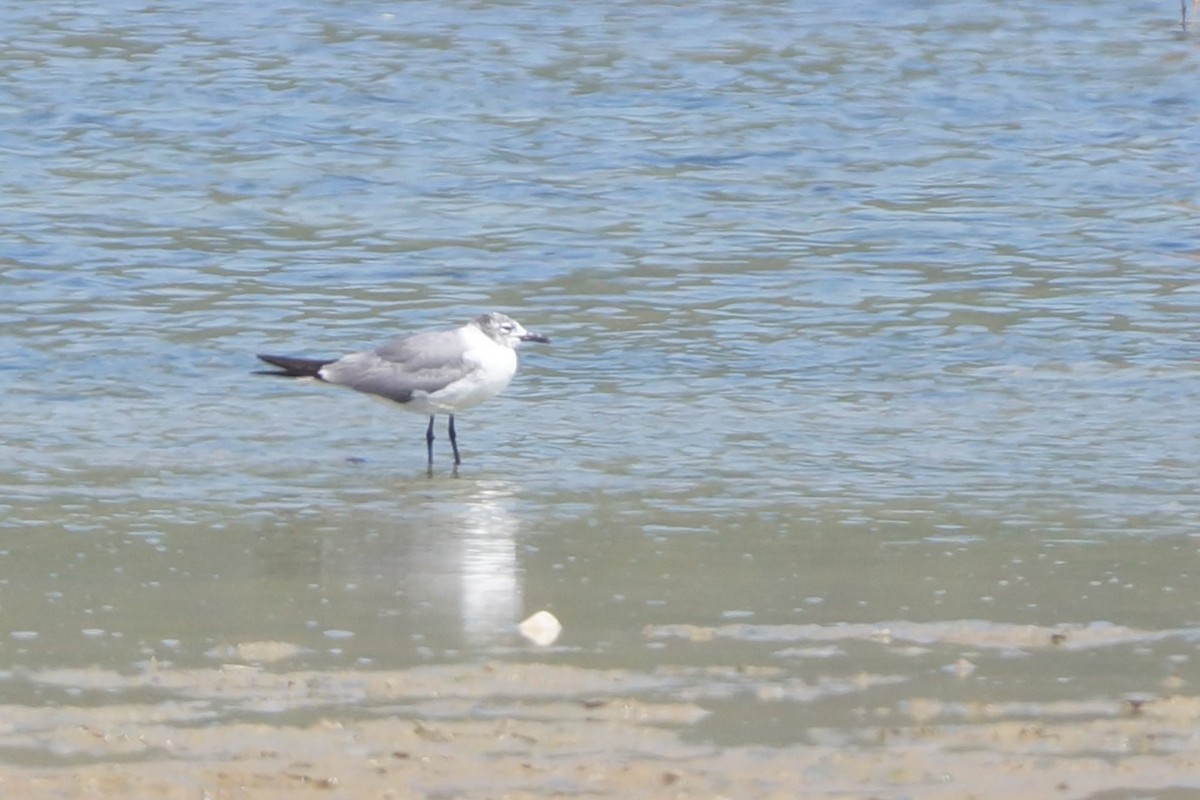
x: 437, y: 372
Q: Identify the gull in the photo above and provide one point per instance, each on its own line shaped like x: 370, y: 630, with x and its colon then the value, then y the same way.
x: 435, y: 372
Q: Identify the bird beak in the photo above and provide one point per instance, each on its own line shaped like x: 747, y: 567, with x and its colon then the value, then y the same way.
x: 534, y: 337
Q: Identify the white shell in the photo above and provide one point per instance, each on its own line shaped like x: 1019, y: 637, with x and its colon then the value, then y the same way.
x: 542, y: 628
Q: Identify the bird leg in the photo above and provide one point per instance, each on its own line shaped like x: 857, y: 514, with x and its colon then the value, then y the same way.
x: 454, y: 442
x: 429, y: 440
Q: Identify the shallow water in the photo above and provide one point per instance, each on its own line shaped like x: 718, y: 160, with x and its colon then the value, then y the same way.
x: 874, y: 340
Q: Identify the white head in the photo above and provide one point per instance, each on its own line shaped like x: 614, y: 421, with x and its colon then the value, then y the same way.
x: 505, y: 330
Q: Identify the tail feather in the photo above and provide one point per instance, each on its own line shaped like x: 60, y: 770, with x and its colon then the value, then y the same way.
x: 292, y: 367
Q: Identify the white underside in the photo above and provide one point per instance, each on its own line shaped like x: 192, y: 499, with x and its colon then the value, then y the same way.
x: 463, y: 394
x: 493, y: 368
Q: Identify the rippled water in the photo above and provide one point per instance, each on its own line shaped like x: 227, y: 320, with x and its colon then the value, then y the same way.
x: 862, y: 315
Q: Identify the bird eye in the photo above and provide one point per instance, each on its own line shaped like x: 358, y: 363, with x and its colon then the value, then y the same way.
x: 506, y: 327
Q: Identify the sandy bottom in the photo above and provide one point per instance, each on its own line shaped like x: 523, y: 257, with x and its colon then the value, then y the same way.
x: 536, y: 731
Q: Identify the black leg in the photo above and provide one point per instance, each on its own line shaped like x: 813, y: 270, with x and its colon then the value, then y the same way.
x: 429, y: 440
x: 454, y: 442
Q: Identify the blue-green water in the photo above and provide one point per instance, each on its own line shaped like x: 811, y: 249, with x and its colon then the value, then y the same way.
x: 862, y: 314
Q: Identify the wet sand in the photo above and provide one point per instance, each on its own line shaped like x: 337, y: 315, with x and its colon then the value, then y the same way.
x: 537, y: 731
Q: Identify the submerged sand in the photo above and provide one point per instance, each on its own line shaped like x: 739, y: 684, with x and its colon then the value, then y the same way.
x: 537, y: 731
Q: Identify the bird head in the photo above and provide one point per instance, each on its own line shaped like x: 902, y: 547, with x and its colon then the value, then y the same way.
x: 506, y: 330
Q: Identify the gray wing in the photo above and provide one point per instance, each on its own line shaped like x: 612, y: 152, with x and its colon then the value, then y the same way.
x: 425, y: 362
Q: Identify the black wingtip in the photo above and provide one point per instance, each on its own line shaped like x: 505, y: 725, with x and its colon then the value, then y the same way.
x: 292, y: 367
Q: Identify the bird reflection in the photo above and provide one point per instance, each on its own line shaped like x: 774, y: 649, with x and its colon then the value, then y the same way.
x: 435, y: 569
x: 491, y: 594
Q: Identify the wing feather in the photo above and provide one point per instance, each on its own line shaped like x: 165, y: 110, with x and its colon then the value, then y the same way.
x: 425, y: 362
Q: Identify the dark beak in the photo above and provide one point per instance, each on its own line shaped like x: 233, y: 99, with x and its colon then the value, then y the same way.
x: 535, y: 337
